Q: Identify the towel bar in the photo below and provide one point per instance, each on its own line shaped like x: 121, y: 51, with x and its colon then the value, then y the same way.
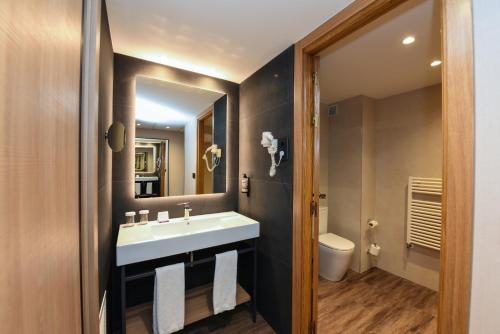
x: 423, y: 225
x: 188, y: 264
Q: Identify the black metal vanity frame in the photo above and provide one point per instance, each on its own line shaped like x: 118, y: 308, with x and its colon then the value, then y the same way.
x: 190, y: 264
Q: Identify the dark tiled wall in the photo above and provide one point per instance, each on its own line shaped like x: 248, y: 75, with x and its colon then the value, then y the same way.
x: 220, y: 117
x: 125, y: 71
x: 266, y: 104
x: 104, y: 158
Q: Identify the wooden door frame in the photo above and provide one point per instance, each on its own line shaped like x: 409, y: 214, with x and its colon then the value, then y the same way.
x: 89, y: 192
x: 163, y: 169
x: 200, y: 140
x: 458, y: 159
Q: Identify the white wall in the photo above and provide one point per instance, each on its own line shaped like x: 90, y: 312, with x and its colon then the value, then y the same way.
x: 485, y: 298
x: 345, y: 174
x: 190, y: 143
x: 369, y: 149
x: 408, y: 143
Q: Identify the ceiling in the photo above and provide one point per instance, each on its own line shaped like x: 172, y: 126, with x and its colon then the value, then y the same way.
x: 220, y: 38
x: 374, y: 62
x: 161, y: 103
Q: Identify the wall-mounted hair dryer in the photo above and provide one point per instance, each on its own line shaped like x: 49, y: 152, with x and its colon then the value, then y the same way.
x: 216, y: 156
x: 269, y: 142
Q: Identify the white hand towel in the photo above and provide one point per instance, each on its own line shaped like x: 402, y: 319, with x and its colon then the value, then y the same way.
x: 149, y: 188
x: 224, y: 297
x: 168, y: 304
x: 137, y: 188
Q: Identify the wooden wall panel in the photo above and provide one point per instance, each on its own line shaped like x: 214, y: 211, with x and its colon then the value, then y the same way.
x: 39, y: 166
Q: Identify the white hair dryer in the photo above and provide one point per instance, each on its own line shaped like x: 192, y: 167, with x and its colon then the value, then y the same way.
x: 216, y: 156
x: 271, y: 144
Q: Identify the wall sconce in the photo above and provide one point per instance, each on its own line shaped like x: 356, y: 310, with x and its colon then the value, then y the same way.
x: 269, y: 142
x: 216, y: 156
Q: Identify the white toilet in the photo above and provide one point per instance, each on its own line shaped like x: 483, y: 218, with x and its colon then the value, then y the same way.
x: 335, y: 252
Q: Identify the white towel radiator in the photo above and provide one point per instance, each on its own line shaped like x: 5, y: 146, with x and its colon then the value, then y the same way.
x: 423, y: 226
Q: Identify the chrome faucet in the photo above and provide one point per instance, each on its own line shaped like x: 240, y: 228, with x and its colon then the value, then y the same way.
x: 187, y: 210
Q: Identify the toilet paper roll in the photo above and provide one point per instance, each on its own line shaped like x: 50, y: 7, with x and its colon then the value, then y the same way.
x: 372, y: 223
x: 374, y: 249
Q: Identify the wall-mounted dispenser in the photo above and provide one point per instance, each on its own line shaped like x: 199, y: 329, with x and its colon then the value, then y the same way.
x: 374, y: 250
x: 216, y: 156
x: 245, y: 184
x: 272, y: 144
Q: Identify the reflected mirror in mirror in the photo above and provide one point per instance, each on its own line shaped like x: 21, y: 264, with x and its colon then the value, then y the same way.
x: 116, y: 136
x: 180, y: 139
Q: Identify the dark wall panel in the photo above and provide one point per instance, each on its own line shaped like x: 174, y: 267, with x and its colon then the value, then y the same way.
x: 104, y: 157
x: 266, y: 104
x: 125, y: 71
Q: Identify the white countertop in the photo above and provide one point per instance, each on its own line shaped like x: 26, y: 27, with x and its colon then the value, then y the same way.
x: 155, y: 240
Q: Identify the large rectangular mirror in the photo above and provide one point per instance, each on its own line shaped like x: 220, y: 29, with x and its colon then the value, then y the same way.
x: 180, y: 139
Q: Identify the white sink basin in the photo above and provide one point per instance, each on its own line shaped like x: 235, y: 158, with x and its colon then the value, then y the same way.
x: 154, y: 240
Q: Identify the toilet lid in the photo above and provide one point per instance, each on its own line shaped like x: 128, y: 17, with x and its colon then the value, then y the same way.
x: 335, y: 242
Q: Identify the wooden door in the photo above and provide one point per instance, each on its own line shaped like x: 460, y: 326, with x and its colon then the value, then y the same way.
x: 39, y: 166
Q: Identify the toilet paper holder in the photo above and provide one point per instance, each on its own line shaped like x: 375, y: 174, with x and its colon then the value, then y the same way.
x: 374, y: 249
x: 372, y: 223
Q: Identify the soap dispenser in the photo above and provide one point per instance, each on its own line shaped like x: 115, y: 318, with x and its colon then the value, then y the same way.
x: 245, y: 184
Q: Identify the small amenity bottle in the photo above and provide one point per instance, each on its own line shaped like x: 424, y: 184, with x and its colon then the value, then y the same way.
x: 143, y: 217
x: 129, y: 219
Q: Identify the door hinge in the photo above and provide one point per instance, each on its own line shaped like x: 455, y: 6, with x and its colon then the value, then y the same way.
x: 314, y: 76
x: 314, y: 119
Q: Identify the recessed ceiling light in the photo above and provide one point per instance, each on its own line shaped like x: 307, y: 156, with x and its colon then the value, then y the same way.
x: 408, y: 40
x: 167, y: 127
x: 436, y: 62
x: 138, y: 124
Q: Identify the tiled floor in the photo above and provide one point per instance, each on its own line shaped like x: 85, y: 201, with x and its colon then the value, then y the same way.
x: 375, y: 302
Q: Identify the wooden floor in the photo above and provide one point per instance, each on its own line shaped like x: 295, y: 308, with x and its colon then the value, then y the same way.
x: 375, y: 302
x: 237, y: 321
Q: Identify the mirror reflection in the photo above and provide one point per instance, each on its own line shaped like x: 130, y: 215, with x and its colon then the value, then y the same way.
x: 180, y: 139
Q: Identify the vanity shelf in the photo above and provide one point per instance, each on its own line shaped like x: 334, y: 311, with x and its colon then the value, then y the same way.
x: 198, y: 306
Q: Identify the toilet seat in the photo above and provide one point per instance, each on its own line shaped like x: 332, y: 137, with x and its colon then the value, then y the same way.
x: 336, y: 242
